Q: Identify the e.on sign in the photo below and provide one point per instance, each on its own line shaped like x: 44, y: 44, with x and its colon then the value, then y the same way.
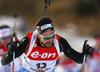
x: 36, y: 54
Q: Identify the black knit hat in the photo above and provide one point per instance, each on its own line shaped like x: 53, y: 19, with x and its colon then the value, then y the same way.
x: 44, y: 24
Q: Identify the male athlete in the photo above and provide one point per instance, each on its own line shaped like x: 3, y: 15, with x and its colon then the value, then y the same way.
x: 42, y: 48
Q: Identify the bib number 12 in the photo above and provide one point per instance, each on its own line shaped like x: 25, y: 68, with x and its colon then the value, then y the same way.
x: 41, y: 65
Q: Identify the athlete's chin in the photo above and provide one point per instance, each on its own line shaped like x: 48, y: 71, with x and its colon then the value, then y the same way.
x: 48, y: 46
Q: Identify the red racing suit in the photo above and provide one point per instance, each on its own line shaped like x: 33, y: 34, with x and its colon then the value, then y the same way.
x: 40, y: 59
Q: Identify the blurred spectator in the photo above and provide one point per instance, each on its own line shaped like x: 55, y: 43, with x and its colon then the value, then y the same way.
x: 5, y: 38
x: 66, y: 65
x: 93, y: 61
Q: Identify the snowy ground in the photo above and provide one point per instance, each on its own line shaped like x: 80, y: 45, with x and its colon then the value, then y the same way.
x: 74, y: 40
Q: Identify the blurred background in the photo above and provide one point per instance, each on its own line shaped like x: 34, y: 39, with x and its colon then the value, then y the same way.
x: 75, y: 20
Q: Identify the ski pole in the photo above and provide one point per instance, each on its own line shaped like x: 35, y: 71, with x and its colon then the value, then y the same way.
x: 85, y: 56
x: 14, y: 39
x: 13, y: 61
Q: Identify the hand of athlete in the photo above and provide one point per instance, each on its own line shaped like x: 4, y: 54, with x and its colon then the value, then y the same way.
x: 12, y: 47
x: 87, y: 49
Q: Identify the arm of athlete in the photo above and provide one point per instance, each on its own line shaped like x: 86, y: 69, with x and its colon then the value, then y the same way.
x: 70, y: 52
x: 8, y: 56
x: 64, y: 46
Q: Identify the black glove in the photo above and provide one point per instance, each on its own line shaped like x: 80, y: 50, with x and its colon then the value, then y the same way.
x: 87, y: 50
x: 12, y: 47
x: 17, y: 43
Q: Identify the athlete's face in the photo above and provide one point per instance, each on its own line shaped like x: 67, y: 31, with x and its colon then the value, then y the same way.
x: 5, y: 40
x: 47, y: 38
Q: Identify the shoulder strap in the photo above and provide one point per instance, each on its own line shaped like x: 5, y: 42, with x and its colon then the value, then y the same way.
x: 57, y: 45
x: 33, y: 39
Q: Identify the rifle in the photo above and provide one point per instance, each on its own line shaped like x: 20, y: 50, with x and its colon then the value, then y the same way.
x: 46, y: 3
